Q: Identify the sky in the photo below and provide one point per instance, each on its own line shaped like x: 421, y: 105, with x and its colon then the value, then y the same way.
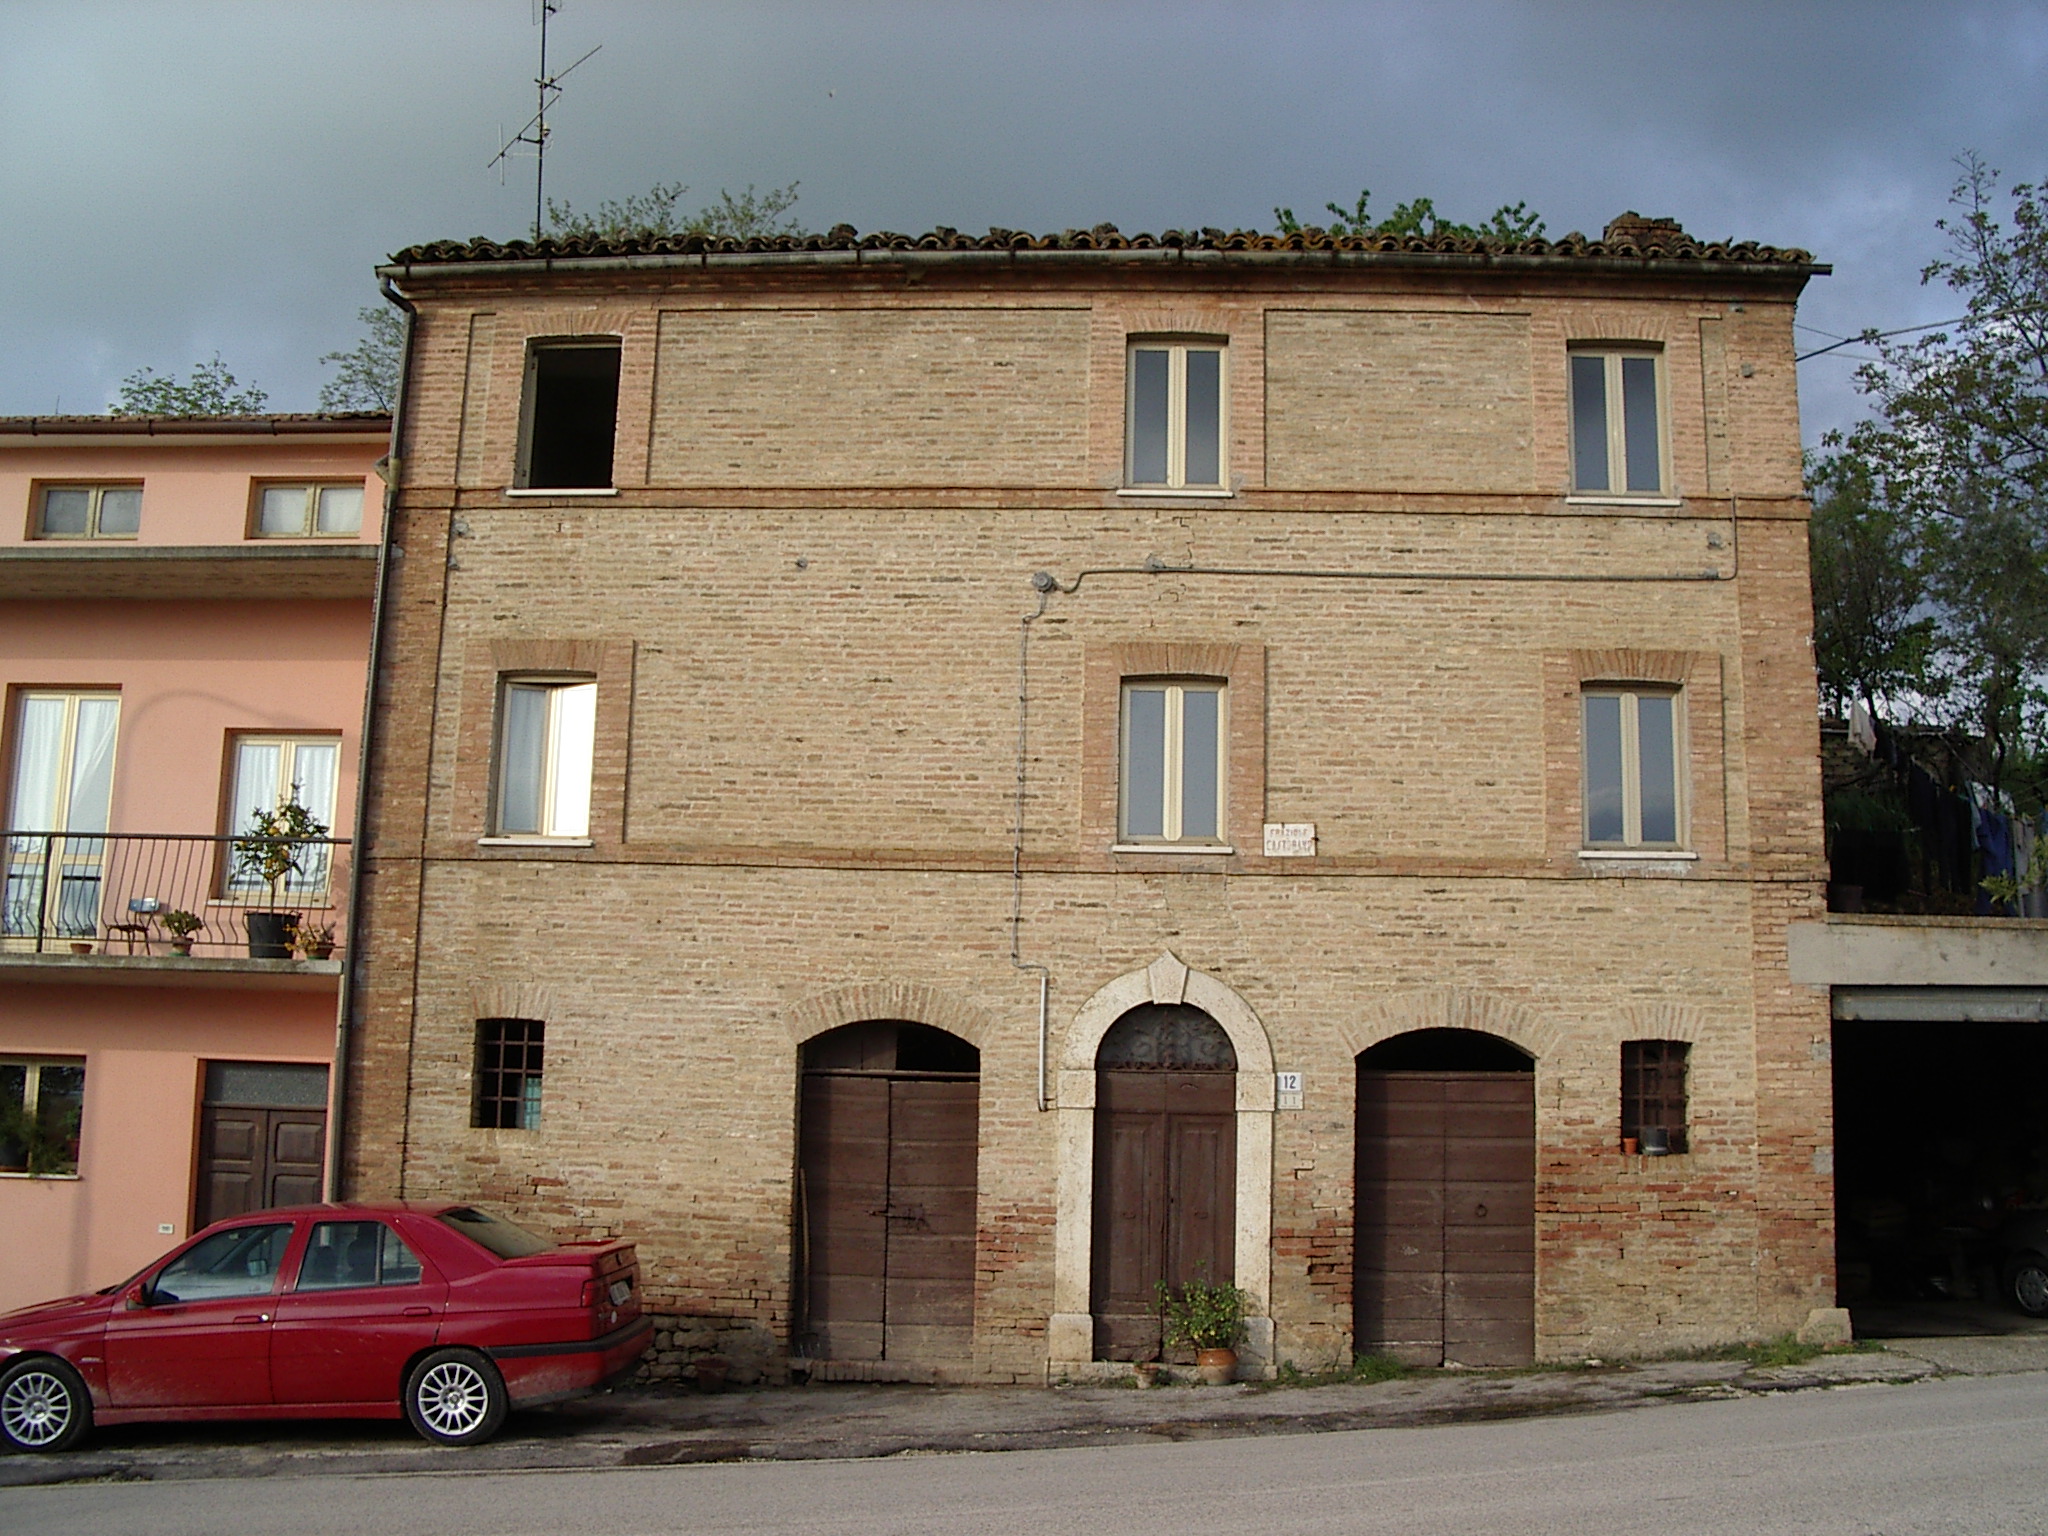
x: 181, y: 180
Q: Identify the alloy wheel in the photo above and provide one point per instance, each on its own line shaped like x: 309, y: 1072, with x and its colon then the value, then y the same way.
x: 2030, y: 1289
x: 453, y: 1398
x: 35, y: 1408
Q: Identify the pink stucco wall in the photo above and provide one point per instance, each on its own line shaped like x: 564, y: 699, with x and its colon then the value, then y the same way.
x: 191, y: 494
x: 191, y: 674
x: 145, y: 1051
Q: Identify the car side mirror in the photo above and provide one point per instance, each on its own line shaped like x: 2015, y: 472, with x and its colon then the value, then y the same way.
x: 142, y: 1296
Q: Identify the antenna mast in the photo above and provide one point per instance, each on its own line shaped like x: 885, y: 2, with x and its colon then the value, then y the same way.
x: 535, y: 133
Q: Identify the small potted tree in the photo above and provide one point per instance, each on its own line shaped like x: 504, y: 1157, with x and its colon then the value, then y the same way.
x: 271, y: 851
x: 183, y: 926
x: 1209, y: 1319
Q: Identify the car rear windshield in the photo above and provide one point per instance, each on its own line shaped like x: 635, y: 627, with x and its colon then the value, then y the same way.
x: 502, y: 1237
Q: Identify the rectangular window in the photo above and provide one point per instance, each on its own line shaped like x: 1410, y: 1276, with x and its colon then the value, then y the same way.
x: 1653, y: 1112
x: 308, y: 511
x: 1617, y: 428
x: 88, y: 511
x: 271, y: 771
x: 42, y: 1104
x: 570, y: 415
x: 1631, y: 758
x: 1175, y: 416
x: 546, y: 733
x: 508, y: 1065
x: 1172, y: 763
x: 344, y: 1254
x: 63, y: 786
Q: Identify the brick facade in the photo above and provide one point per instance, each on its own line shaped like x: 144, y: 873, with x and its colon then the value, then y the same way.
x: 804, y: 606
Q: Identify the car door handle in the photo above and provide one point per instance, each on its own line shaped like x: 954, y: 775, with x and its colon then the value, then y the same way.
x: 253, y: 1317
x: 419, y: 1311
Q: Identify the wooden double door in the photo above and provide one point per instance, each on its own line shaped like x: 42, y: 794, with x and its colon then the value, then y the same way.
x: 262, y: 1138
x: 1445, y: 1252
x: 886, y: 1193
x: 1165, y: 1197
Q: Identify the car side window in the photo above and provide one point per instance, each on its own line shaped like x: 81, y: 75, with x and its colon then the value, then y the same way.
x: 342, y: 1255
x: 241, y: 1261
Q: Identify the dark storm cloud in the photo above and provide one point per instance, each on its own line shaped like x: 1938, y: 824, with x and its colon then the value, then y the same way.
x: 185, y: 179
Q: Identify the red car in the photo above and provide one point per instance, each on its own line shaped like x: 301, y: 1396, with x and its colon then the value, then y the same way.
x: 440, y: 1313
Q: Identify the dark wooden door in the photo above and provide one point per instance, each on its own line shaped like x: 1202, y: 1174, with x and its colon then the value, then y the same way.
x: 1165, y: 1197
x: 251, y: 1159
x: 888, y: 1174
x: 1446, y: 1216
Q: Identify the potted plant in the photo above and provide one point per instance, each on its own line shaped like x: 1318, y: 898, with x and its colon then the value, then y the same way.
x: 1209, y: 1319
x: 270, y: 851
x: 183, y: 926
x: 313, y: 941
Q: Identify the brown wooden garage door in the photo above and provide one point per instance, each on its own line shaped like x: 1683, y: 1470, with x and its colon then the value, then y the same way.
x: 1446, y: 1216
x: 887, y: 1165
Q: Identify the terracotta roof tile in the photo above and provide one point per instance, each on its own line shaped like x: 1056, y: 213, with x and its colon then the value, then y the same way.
x: 1630, y: 238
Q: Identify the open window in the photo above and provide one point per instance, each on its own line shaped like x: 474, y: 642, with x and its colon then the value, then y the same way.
x: 547, y: 729
x: 569, y: 415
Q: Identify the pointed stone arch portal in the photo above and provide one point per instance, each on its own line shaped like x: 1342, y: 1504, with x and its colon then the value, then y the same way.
x: 1167, y: 1011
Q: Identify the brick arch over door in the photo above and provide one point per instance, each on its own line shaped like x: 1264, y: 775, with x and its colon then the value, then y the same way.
x: 911, y: 1001
x: 1452, y: 1008
x: 1071, y: 1338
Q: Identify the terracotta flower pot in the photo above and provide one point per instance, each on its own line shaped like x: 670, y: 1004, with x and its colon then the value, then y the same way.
x: 1147, y: 1372
x: 1216, y: 1367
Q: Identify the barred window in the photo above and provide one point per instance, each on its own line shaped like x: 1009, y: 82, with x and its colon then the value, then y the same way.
x: 508, y: 1068
x: 1653, y: 1107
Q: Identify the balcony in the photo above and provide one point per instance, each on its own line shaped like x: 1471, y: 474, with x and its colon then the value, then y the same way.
x: 172, y: 909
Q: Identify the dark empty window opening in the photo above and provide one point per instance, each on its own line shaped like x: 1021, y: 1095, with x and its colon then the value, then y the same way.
x: 1653, y: 1094
x: 891, y: 1046
x: 508, y: 1065
x: 572, y: 415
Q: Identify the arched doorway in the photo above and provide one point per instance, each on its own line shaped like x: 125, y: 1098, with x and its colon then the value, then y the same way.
x: 1165, y: 1169
x: 887, y: 1138
x: 1444, y: 1267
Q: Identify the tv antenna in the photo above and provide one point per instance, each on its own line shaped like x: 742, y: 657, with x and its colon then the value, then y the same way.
x: 535, y: 132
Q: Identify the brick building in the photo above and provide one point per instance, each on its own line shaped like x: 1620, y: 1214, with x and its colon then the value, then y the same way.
x: 939, y: 783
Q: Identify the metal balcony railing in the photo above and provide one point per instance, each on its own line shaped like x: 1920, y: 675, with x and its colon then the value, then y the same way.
x: 120, y: 893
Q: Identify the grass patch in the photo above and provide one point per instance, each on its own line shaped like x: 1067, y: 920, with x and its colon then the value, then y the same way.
x: 1366, y: 1369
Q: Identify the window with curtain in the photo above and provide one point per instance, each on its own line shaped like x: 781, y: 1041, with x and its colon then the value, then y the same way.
x: 62, y: 792
x: 271, y: 771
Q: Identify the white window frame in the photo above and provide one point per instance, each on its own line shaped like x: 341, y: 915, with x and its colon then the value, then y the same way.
x: 564, y: 812
x: 1174, y: 771
x: 1176, y: 415
x: 1632, y: 768
x: 31, y: 1094
x: 314, y: 490
x: 310, y: 881
x: 1617, y: 424
x: 69, y: 905
x: 98, y: 493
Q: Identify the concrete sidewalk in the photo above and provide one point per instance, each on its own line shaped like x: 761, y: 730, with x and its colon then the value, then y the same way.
x: 657, y: 1428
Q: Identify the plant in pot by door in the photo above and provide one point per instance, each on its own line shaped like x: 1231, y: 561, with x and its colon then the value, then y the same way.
x: 271, y: 851
x: 1209, y: 1319
x: 183, y: 926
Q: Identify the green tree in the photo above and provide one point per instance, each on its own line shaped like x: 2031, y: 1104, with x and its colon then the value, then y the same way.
x: 1510, y: 222
x: 210, y: 391
x: 366, y: 376
x: 1873, y: 634
x: 1952, y: 471
x: 653, y: 214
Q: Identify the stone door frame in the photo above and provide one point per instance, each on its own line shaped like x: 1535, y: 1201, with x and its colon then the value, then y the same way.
x: 1070, y: 1334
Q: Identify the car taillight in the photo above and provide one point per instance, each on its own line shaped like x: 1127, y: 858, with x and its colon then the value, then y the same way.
x: 593, y: 1293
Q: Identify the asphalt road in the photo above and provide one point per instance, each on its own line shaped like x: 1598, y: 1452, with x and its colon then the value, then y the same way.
x: 1958, y: 1455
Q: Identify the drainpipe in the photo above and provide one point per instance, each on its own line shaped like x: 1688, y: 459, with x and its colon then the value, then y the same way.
x: 1045, y: 584
x: 337, y: 1119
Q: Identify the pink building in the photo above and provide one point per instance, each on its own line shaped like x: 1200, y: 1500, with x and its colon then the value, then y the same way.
x: 185, y: 616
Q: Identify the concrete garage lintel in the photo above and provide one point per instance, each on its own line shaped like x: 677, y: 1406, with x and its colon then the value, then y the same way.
x: 1918, y: 952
